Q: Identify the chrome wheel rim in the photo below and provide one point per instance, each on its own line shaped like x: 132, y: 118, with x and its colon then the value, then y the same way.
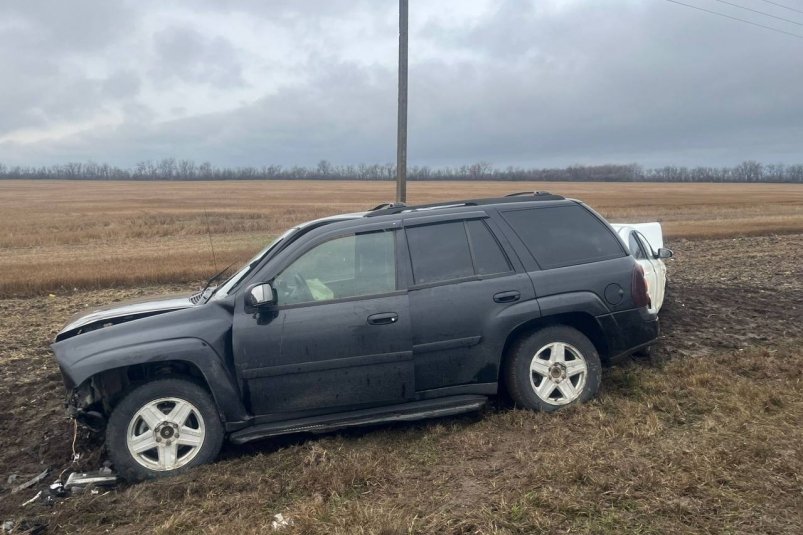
x: 166, y: 434
x: 558, y: 373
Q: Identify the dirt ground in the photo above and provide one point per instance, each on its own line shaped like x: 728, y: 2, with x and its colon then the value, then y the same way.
x: 705, y: 436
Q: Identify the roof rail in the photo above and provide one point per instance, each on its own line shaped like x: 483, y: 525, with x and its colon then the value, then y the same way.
x: 533, y: 193
x: 393, y: 208
x: 385, y: 205
x: 401, y: 207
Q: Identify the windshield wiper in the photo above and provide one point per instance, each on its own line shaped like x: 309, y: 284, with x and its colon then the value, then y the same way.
x: 212, y: 279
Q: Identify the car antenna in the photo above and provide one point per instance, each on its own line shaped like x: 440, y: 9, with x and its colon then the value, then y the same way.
x: 209, y: 233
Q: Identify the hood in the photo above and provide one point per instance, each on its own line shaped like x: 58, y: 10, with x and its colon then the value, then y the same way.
x: 126, y: 311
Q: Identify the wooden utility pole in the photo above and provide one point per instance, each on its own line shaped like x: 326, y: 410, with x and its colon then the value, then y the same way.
x: 401, y: 135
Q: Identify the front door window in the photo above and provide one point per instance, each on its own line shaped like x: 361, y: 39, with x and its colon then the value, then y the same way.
x: 348, y: 266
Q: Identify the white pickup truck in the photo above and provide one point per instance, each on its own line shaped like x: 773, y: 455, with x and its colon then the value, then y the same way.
x: 645, y: 241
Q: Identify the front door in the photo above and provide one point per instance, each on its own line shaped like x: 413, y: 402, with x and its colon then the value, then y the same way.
x: 338, y: 337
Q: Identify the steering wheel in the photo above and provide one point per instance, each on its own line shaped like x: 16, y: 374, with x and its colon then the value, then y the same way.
x: 294, y: 288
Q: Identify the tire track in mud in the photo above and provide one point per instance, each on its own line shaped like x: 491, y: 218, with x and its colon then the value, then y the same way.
x: 733, y: 293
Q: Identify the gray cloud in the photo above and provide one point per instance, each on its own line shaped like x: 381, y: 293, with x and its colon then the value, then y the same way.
x: 188, y: 55
x: 74, y: 27
x: 121, y: 85
x: 538, y: 83
x: 43, y: 60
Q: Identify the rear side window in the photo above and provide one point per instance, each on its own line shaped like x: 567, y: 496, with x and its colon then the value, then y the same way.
x: 560, y: 236
x: 454, y: 250
x: 439, y: 252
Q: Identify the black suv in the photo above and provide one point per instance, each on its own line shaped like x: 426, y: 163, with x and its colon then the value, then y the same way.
x: 398, y: 313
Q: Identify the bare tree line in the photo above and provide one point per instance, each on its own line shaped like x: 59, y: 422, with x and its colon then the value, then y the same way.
x: 174, y: 169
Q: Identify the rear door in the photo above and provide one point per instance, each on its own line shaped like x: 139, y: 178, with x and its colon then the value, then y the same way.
x: 461, y: 280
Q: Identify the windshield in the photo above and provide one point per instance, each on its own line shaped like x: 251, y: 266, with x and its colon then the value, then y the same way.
x: 224, y: 289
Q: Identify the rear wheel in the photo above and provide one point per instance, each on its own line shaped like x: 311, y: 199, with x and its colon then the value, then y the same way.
x: 551, y: 368
x: 162, y: 428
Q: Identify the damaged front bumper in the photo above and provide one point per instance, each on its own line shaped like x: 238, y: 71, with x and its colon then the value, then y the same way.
x: 81, y: 404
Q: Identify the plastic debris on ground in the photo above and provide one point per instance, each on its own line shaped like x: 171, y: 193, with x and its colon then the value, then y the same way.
x: 279, y: 521
x: 29, y: 502
x: 78, y: 481
x: 31, y: 482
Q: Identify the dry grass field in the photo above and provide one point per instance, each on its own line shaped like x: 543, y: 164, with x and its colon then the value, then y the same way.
x: 60, y: 235
x: 705, y: 437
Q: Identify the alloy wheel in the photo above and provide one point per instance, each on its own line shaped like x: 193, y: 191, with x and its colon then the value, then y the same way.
x: 165, y: 434
x: 558, y: 373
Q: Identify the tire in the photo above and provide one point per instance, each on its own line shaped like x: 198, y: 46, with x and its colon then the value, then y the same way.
x: 570, y: 379
x: 163, y: 428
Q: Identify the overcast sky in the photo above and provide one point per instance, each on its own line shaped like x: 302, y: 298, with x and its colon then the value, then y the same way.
x: 534, y: 83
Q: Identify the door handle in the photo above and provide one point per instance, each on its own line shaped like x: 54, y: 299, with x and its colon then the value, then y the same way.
x: 507, y: 297
x: 385, y: 318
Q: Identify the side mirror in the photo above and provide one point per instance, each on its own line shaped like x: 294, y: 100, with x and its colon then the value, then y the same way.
x: 260, y: 295
x: 664, y: 253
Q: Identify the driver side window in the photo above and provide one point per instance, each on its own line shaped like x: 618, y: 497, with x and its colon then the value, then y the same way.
x: 635, y: 247
x: 348, y: 266
x: 647, y: 246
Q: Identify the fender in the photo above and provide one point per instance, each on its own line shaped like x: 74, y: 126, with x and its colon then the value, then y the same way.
x: 198, y: 335
x: 513, y: 318
x: 587, y: 302
x: 191, y: 350
x: 518, y: 313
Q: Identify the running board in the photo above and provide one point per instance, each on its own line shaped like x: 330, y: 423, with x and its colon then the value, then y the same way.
x: 414, y: 410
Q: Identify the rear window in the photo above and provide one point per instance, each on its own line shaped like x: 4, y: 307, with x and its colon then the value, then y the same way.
x: 560, y: 236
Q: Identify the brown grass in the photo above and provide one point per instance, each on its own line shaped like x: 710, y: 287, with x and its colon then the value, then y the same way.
x: 60, y: 235
x: 711, y: 447
x: 705, y: 438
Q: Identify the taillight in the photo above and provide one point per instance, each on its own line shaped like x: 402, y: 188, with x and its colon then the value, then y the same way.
x: 638, y: 288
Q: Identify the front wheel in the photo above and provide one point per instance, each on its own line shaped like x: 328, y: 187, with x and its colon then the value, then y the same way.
x: 551, y: 368
x: 162, y: 428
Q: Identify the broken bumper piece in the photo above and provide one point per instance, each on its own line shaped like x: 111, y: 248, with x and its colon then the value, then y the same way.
x: 81, y: 480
